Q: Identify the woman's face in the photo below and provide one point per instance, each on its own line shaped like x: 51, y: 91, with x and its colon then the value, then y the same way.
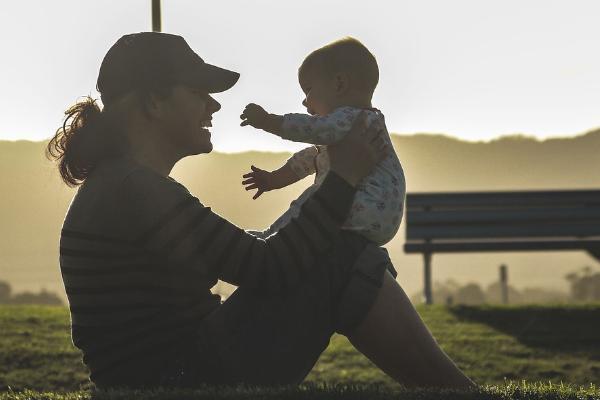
x: 186, y: 116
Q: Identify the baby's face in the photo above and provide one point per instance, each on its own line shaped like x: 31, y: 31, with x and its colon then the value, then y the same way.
x: 321, y: 96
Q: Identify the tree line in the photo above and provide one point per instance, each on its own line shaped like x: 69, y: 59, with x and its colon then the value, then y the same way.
x: 584, y: 286
x: 43, y: 297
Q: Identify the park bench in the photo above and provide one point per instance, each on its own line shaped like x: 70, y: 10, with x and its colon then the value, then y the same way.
x: 458, y: 222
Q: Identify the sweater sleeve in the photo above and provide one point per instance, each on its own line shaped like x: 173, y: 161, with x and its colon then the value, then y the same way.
x: 175, y: 227
x: 303, y: 162
x: 317, y: 129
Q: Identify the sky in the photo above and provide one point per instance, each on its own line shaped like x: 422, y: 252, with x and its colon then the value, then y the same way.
x: 473, y: 69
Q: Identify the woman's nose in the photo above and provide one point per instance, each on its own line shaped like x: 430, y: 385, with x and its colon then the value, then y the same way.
x: 214, y: 105
x: 304, y: 103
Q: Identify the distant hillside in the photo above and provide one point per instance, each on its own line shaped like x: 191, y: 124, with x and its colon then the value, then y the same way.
x: 33, y: 201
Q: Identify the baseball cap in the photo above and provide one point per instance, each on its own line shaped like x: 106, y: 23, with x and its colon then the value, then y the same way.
x: 148, y: 59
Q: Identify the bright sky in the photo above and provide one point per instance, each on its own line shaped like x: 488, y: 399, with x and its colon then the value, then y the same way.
x: 469, y: 68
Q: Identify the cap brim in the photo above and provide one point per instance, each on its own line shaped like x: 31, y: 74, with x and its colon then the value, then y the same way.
x: 215, y: 79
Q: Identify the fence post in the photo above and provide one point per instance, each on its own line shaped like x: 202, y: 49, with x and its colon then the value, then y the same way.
x: 504, y: 283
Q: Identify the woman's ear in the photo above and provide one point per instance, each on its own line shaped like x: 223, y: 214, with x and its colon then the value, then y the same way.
x: 342, y: 83
x: 152, y: 106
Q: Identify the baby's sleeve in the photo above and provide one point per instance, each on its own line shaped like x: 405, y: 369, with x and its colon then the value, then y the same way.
x: 315, y: 129
x: 303, y: 162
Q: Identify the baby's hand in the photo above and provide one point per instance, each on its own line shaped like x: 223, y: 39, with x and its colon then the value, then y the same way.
x: 254, y: 115
x: 258, y: 179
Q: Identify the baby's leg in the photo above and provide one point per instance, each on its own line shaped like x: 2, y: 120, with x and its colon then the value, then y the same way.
x: 375, y: 218
x: 260, y: 234
x: 279, y: 223
x: 287, y: 216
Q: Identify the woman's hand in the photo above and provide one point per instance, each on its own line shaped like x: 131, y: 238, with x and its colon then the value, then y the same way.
x: 355, y: 156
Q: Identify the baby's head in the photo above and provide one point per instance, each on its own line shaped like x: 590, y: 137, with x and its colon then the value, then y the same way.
x: 342, y: 73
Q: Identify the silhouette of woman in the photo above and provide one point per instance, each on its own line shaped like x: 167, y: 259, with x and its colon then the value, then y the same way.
x: 139, y: 253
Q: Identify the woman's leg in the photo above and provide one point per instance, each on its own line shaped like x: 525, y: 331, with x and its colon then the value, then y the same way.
x: 268, y: 338
x: 394, y: 337
x: 265, y: 339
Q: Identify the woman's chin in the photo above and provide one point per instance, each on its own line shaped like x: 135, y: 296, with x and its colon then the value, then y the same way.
x: 203, y: 144
x: 204, y: 148
x: 208, y: 149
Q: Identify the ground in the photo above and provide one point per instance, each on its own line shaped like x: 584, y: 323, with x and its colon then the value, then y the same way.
x: 513, y: 352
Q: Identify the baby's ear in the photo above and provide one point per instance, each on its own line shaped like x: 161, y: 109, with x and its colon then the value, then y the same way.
x: 342, y: 83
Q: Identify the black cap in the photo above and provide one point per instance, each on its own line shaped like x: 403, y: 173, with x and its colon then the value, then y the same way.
x: 149, y: 59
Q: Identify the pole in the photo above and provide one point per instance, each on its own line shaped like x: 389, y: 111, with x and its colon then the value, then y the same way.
x: 504, y: 283
x: 156, y: 18
x: 427, y: 278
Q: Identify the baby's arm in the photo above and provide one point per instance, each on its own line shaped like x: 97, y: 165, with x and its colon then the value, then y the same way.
x: 298, y: 166
x: 265, y: 181
x: 302, y: 128
x: 320, y: 130
x: 303, y: 163
x: 256, y: 116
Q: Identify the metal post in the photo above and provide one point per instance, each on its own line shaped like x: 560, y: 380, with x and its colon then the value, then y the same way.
x: 504, y: 283
x: 156, y: 18
x: 427, y: 278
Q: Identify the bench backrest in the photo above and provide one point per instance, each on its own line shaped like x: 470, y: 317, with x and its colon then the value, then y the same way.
x: 492, y: 215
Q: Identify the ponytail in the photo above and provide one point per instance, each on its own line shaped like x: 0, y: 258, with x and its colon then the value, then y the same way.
x: 84, y: 140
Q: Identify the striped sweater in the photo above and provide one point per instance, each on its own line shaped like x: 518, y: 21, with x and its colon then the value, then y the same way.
x: 139, y: 254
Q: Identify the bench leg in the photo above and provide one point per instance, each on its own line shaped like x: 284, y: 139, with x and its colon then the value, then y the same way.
x: 594, y: 253
x: 427, y: 279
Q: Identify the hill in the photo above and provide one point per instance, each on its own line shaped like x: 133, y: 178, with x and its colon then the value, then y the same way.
x: 34, y: 202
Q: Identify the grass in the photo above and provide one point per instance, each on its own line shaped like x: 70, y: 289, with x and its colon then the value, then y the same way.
x: 513, y: 352
x: 320, y: 392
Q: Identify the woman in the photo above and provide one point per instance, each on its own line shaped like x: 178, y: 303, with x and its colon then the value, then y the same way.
x: 139, y: 253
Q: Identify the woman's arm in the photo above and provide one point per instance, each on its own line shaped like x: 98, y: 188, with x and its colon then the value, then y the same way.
x: 177, y: 228
x: 174, y: 225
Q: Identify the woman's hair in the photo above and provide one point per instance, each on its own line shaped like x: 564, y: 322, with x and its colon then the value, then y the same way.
x: 83, y: 140
x: 90, y: 134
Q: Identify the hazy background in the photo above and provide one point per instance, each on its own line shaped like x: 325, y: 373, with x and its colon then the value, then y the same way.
x: 34, y: 209
x: 469, y: 69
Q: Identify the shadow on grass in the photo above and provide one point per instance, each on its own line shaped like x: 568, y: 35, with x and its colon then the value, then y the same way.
x: 556, y: 329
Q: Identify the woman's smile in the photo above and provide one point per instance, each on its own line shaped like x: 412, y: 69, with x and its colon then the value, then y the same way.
x: 206, y: 124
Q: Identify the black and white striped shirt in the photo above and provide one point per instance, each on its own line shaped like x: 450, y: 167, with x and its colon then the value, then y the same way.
x: 139, y: 254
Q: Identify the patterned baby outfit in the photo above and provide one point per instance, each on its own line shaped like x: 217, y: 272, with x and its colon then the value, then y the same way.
x: 378, y: 204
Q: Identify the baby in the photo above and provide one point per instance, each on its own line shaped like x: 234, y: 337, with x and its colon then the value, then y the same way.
x: 338, y: 80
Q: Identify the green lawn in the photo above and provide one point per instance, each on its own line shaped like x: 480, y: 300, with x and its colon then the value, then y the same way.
x: 499, y: 347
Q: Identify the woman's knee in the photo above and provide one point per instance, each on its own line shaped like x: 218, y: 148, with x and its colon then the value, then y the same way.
x: 363, y: 282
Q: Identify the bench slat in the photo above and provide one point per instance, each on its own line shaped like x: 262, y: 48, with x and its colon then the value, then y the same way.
x: 500, y: 245
x: 540, y: 229
x: 493, y: 199
x: 492, y: 217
